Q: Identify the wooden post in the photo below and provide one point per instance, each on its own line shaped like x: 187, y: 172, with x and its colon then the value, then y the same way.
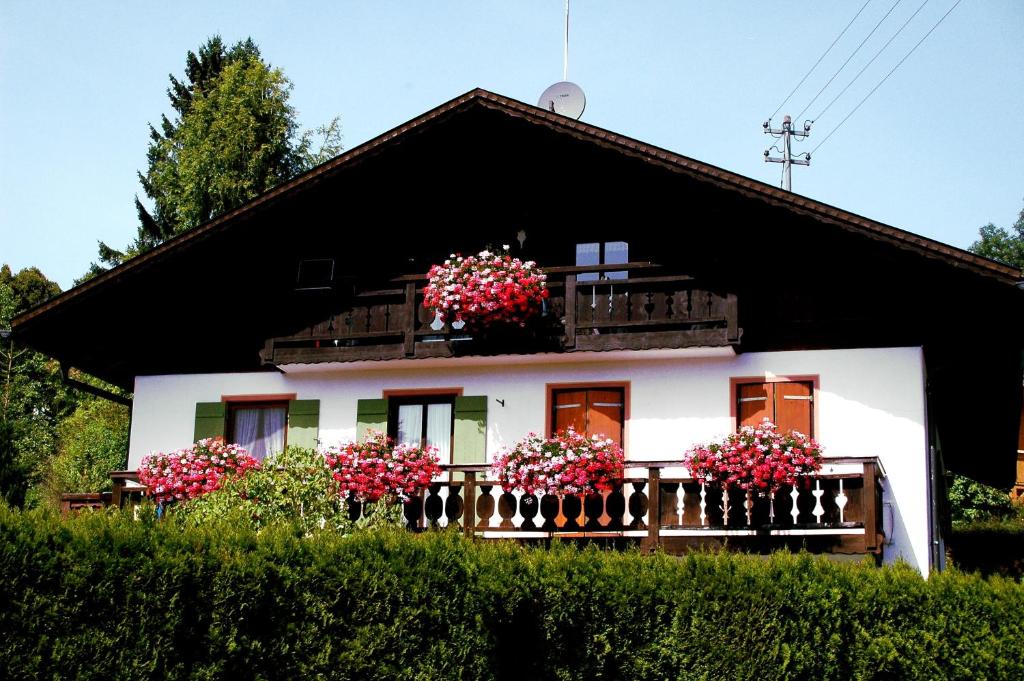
x: 570, y: 311
x: 653, y: 509
x: 469, y: 503
x: 410, y: 313
x: 116, y: 491
x: 871, y: 511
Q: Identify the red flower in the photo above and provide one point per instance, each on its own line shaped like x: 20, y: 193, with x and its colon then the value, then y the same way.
x: 760, y: 459
x: 193, y: 471
x: 378, y: 468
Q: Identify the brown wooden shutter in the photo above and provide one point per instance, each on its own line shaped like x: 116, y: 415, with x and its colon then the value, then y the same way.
x: 1020, y: 438
x: 794, y: 407
x: 755, y: 402
x: 570, y: 411
x: 605, y: 411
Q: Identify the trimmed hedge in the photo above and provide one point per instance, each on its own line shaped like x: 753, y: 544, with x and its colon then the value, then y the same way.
x: 102, y: 596
x: 994, y: 546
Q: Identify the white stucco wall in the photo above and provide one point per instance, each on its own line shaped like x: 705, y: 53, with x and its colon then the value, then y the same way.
x: 870, y: 402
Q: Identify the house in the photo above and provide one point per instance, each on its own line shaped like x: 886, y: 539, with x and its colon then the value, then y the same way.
x: 685, y: 301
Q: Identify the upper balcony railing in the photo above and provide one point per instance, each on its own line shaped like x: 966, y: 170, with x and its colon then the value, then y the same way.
x: 646, y: 309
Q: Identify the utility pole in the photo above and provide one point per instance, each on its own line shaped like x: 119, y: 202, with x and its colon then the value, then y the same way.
x: 787, y: 160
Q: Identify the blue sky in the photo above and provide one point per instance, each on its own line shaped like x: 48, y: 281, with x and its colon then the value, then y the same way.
x: 938, y: 150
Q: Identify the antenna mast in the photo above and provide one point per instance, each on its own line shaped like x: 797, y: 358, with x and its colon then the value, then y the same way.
x: 787, y: 160
x: 565, y: 47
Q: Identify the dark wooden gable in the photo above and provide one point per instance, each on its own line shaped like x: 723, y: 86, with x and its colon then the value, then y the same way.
x: 477, y: 170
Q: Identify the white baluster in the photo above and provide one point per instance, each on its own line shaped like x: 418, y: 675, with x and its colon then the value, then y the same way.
x: 437, y: 324
x: 725, y: 507
x: 771, y: 507
x: 703, y: 505
x: 819, y: 510
x: 538, y: 519
x: 794, y: 494
x: 495, y: 517
x: 443, y: 495
x: 749, y: 505
x: 627, y: 516
x: 841, y: 500
x: 647, y: 513
x: 517, y: 518
x: 680, y: 497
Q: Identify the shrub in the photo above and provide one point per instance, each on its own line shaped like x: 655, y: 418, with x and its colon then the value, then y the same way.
x: 971, y: 500
x: 100, y: 595
x: 91, y: 442
x: 293, y: 486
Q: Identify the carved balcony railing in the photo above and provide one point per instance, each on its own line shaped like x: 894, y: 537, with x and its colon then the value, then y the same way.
x: 838, y: 510
x: 585, y: 311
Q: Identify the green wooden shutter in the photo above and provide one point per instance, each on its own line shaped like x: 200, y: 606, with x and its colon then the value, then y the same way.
x: 371, y: 415
x: 470, y: 430
x: 209, y: 420
x: 303, y: 423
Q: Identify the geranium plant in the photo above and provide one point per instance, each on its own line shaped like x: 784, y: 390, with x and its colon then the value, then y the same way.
x: 193, y: 471
x: 759, y: 459
x: 485, y: 289
x: 379, y: 468
x: 568, y: 463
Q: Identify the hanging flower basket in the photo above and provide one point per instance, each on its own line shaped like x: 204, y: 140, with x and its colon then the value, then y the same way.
x: 378, y: 468
x: 193, y: 471
x: 485, y: 290
x: 567, y: 464
x: 760, y: 460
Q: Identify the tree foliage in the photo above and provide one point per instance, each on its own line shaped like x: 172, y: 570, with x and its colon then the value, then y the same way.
x: 234, y: 135
x: 91, y: 442
x: 1004, y: 245
x: 34, y: 397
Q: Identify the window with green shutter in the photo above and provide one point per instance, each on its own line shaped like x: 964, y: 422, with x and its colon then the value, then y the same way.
x: 210, y: 420
x: 371, y: 415
x: 470, y: 430
x: 303, y: 423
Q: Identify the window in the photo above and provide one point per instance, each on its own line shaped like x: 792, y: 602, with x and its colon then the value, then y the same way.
x: 788, y: 404
x: 590, y: 410
x: 423, y: 421
x: 602, y: 253
x: 259, y: 427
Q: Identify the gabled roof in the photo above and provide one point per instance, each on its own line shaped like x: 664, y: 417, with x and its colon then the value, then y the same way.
x: 582, y: 131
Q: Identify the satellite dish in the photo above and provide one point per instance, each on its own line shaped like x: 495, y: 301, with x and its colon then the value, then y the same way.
x: 564, y: 98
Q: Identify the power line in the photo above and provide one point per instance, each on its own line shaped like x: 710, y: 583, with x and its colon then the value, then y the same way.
x: 877, y: 54
x: 852, y: 55
x: 823, y: 55
x: 900, y: 63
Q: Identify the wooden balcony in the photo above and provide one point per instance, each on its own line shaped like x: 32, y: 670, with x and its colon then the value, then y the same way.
x: 837, y: 511
x: 586, y: 310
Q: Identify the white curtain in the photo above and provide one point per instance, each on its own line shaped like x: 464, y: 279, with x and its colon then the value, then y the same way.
x: 410, y: 424
x: 247, y: 429
x: 439, y: 430
x: 260, y: 431
x: 274, y: 424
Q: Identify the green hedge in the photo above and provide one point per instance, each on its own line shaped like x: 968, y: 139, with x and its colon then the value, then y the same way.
x: 990, y: 547
x: 106, y: 597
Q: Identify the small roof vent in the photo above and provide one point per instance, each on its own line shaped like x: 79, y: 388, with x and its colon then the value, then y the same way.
x: 315, y: 275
